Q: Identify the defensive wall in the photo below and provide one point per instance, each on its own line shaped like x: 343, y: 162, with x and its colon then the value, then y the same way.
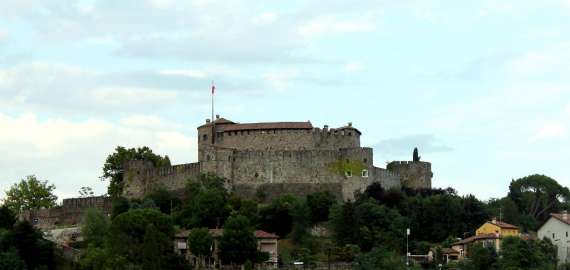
x: 413, y: 174
x: 141, y: 177
x: 69, y: 213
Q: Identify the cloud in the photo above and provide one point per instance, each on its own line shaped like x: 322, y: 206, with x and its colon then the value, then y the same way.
x: 351, y: 67
x: 426, y: 143
x: 70, y: 154
x: 551, y: 130
x: 280, y: 79
x: 3, y: 34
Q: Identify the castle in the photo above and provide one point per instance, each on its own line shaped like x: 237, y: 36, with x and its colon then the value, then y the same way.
x: 277, y: 158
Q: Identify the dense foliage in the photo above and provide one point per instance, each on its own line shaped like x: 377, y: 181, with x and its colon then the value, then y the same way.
x: 23, y: 247
x: 30, y: 194
x: 113, y: 167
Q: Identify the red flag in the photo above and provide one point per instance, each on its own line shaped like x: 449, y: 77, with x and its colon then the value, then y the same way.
x: 213, y: 88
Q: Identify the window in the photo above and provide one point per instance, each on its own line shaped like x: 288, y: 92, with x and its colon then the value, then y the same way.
x: 552, y: 236
x: 229, y: 134
x: 364, y: 173
x: 204, y: 137
x: 350, y: 134
x: 566, y: 234
x: 348, y: 173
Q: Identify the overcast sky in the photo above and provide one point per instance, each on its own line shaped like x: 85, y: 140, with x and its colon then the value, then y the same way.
x: 481, y: 87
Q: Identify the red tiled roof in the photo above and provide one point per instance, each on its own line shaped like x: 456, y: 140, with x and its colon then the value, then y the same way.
x: 449, y: 251
x: 560, y: 217
x: 475, y: 238
x: 219, y: 232
x: 504, y: 225
x: 219, y: 121
x: 269, y: 125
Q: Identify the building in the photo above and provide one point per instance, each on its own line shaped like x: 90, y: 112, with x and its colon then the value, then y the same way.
x: 266, y: 242
x: 489, y: 234
x: 556, y: 228
x: 276, y: 158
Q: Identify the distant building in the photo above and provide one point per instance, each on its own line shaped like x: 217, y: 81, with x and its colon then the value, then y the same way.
x: 489, y: 234
x: 556, y: 228
x: 275, y: 158
x: 266, y: 242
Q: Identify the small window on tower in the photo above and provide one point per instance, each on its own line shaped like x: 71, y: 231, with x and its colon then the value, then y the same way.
x: 365, y: 173
x: 348, y: 173
x: 204, y: 137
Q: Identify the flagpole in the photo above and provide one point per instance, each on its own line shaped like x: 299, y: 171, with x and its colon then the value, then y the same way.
x: 213, y: 120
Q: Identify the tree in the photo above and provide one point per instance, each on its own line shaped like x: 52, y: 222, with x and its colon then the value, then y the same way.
x: 238, y: 243
x: 416, y: 156
x: 342, y: 220
x: 9, y: 260
x: 127, y: 233
x: 164, y: 199
x: 537, y: 196
x: 119, y: 206
x: 86, y: 192
x: 113, y: 167
x: 276, y: 217
x: 320, y: 204
x: 530, y: 254
x: 30, y: 194
x: 301, y: 215
x: 200, y: 243
x: 155, y: 245
x: 380, y: 258
x: 482, y: 258
x: 31, y: 247
x: 7, y: 218
x: 94, y: 227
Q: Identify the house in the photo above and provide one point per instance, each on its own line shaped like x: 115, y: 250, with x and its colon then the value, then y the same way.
x: 266, y: 242
x: 489, y: 234
x: 556, y: 229
x: 498, y: 227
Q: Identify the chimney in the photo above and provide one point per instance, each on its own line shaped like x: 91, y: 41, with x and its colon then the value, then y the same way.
x: 494, y: 220
x: 565, y: 215
x: 217, y: 116
x: 350, y: 124
x: 208, y: 120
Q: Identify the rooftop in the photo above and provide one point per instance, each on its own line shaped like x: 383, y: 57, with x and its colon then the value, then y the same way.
x: 259, y: 234
x: 503, y: 225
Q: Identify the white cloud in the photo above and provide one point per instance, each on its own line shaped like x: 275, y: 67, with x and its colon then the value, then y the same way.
x: 551, y: 130
x: 279, y: 80
x: 70, y: 154
x: 265, y: 18
x: 323, y: 25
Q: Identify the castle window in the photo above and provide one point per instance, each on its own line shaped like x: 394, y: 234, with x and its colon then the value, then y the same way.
x: 241, y: 133
x: 229, y: 134
x: 365, y: 173
x: 204, y: 137
x: 256, y: 175
x: 365, y: 160
x: 350, y: 134
x: 348, y: 173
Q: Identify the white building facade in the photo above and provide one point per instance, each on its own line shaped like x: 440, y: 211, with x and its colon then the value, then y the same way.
x: 557, y: 229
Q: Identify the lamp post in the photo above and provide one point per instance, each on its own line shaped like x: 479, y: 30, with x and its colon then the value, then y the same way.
x: 407, y: 249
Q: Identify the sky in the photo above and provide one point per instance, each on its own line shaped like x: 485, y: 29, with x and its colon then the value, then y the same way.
x: 482, y: 88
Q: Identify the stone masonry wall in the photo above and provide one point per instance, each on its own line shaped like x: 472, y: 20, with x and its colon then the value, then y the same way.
x: 413, y: 174
x: 141, y: 181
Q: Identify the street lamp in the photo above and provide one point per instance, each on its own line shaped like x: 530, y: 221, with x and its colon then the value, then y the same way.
x: 407, y: 249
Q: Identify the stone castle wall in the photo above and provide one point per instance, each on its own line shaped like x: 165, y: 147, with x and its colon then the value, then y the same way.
x: 290, y: 139
x: 142, y: 179
x: 69, y: 213
x: 413, y: 174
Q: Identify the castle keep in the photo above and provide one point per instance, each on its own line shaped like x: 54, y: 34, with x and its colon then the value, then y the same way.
x: 277, y: 158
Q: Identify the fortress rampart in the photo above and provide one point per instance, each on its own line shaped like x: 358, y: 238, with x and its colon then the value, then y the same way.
x: 413, y: 174
x: 276, y: 157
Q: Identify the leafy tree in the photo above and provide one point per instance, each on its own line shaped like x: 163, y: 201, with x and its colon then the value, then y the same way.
x: 164, y: 199
x: 9, y: 260
x: 238, y: 243
x: 416, y: 155
x: 30, y: 194
x: 474, y: 213
x: 7, y: 218
x: 94, y: 227
x: 155, y: 245
x: 482, y: 258
x: 113, y: 167
x: 119, y: 206
x: 380, y: 258
x: 276, y: 217
x: 300, y: 214
x: 320, y: 204
x: 31, y: 247
x: 200, y: 242
x: 536, y: 196
x: 244, y: 207
x: 93, y: 258
x: 86, y: 192
x: 342, y: 221
x: 126, y: 238
x: 531, y: 254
